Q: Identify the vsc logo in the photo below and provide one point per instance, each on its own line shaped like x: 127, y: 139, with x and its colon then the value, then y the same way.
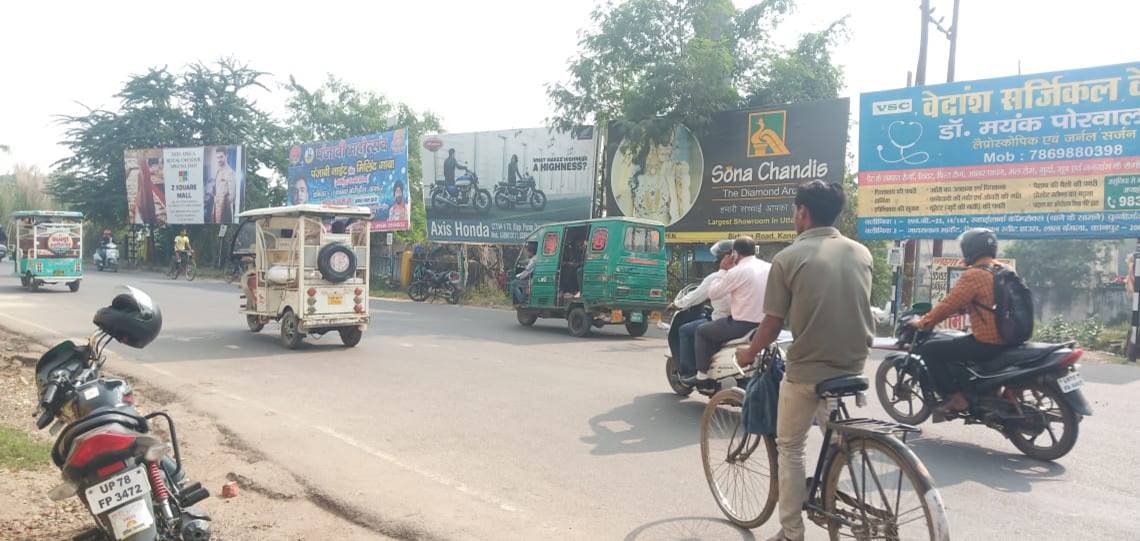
x: 891, y: 107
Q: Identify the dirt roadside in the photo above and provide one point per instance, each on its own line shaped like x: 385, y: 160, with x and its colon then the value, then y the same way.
x: 271, y: 504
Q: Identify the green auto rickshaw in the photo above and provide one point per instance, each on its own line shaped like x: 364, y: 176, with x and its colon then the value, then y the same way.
x: 47, y: 247
x: 605, y: 271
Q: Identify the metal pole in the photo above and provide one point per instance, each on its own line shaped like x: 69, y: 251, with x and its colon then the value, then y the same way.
x: 953, y: 36
x: 896, y: 287
x: 1133, y: 351
x: 924, y: 35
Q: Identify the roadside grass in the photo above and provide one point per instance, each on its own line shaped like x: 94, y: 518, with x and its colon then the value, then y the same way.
x: 18, y: 451
x: 486, y: 296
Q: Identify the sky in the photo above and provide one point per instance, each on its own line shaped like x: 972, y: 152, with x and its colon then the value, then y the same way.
x: 482, y: 64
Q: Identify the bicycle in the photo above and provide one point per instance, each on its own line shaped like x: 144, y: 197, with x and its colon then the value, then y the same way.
x: 179, y: 267
x: 836, y: 502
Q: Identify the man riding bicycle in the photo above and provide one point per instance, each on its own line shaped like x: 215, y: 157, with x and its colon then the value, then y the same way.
x: 182, y: 248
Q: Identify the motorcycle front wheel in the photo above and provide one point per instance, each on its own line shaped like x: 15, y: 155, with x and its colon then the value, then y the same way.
x: 418, y: 291
x: 537, y: 200
x: 901, y: 393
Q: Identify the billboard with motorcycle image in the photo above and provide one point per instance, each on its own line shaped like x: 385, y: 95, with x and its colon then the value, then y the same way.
x: 497, y: 187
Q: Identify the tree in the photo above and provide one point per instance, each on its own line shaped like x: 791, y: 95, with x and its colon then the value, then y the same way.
x: 336, y: 110
x: 1063, y: 265
x: 648, y: 65
x: 23, y: 189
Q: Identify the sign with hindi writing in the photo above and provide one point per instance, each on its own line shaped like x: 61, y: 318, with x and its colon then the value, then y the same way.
x: 1053, y: 155
x: 365, y: 171
x: 738, y: 177
x: 194, y: 185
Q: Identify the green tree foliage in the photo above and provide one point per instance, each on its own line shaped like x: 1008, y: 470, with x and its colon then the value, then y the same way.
x: 23, y: 189
x: 647, y: 65
x: 1064, y: 265
x: 336, y: 110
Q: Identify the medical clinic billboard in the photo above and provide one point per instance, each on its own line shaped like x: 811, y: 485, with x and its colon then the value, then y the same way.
x: 560, y: 164
x: 366, y: 171
x: 1053, y: 155
x: 196, y: 185
x: 738, y: 179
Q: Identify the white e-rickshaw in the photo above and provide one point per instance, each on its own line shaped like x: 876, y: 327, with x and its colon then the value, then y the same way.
x: 306, y: 267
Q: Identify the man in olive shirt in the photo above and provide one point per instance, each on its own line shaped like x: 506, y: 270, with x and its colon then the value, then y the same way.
x: 821, y: 287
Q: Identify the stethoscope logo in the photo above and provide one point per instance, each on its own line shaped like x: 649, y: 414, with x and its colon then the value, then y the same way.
x: 904, y: 134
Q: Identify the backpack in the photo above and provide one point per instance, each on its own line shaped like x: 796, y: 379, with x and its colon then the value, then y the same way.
x: 1013, y: 306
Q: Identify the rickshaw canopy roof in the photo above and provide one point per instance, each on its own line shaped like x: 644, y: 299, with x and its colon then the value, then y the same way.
x: 50, y: 213
x: 298, y: 210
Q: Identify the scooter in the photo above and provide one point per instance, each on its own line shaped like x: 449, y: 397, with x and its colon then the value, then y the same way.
x: 107, y: 257
x: 1030, y: 393
x: 523, y: 192
x: 466, y: 193
x: 108, y: 455
x: 724, y: 368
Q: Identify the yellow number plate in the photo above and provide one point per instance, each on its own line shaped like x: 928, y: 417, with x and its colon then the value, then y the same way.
x: 336, y: 299
x: 616, y: 315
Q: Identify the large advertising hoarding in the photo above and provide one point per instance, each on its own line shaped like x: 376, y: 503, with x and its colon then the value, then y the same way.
x: 738, y: 179
x: 468, y: 189
x: 366, y: 171
x: 195, y: 185
x: 1053, y: 155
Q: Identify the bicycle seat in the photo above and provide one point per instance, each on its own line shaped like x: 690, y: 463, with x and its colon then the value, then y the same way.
x: 841, y: 386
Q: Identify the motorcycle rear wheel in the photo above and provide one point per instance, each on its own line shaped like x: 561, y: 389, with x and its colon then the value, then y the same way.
x: 672, y: 373
x: 899, y: 396
x: 503, y: 201
x: 1048, y: 402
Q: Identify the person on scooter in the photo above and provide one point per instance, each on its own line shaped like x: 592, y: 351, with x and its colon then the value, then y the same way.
x: 687, y: 361
x: 103, y: 242
x: 973, y: 293
x: 743, y: 279
x: 522, y: 279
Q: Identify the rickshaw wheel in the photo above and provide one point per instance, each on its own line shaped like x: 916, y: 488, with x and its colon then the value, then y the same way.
x: 24, y: 282
x: 255, y: 323
x: 33, y: 284
x: 73, y: 286
x: 579, y: 322
x: 637, y: 329
x: 291, y: 335
x: 350, y: 336
x: 525, y: 317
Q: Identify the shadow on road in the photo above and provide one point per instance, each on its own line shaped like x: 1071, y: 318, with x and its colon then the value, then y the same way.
x: 651, y: 423
x: 689, y: 528
x: 954, y: 462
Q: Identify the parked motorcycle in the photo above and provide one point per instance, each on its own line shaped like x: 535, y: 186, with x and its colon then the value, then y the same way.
x: 523, y: 192
x: 465, y: 193
x: 433, y: 284
x: 107, y: 257
x: 1030, y: 394
x: 108, y: 456
x: 724, y: 368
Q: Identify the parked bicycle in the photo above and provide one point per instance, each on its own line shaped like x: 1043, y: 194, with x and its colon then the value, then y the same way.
x: 180, y: 265
x: 867, y: 483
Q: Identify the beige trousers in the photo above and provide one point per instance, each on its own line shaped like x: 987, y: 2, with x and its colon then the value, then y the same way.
x: 798, y: 405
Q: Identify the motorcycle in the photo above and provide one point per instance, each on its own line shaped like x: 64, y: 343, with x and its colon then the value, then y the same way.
x: 1027, y: 393
x: 107, y: 257
x: 108, y: 455
x: 723, y: 368
x: 441, y: 284
x: 465, y: 193
x: 523, y: 192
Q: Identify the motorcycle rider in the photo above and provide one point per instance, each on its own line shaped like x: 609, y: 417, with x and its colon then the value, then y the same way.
x: 686, y: 362
x: 743, y: 279
x: 449, y: 167
x: 522, y: 279
x: 973, y: 293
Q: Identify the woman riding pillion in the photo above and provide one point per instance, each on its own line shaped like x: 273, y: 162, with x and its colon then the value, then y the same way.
x: 687, y: 362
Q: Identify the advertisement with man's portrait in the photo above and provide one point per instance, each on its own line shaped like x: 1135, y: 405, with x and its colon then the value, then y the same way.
x: 193, y: 185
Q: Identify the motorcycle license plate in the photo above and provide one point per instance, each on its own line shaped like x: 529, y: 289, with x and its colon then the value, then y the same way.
x: 636, y: 317
x: 336, y: 299
x: 1070, y: 382
x: 131, y: 518
x: 111, y: 493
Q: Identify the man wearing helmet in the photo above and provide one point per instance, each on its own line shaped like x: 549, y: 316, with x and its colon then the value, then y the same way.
x: 686, y: 361
x: 973, y: 293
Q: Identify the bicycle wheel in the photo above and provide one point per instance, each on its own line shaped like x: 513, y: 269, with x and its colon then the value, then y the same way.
x: 191, y: 270
x: 741, y: 471
x: 879, y: 489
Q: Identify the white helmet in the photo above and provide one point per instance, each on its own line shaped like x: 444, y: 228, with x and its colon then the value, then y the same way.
x: 721, y: 247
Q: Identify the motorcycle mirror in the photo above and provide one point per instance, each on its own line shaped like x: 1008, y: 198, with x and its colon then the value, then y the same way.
x: 920, y: 307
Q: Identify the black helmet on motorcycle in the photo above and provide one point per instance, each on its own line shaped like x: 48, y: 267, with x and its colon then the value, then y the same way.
x: 721, y: 248
x: 977, y: 243
x: 132, y: 319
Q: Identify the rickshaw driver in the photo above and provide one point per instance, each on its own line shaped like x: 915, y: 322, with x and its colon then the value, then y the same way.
x: 522, y: 279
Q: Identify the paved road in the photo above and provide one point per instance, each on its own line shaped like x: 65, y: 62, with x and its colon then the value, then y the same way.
x: 457, y: 423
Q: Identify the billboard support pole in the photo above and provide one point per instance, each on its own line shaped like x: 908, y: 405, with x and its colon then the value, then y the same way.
x: 1133, y: 350
x: 896, y: 287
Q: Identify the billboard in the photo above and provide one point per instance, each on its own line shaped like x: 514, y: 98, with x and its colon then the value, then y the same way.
x: 740, y: 178
x: 366, y: 171
x: 466, y: 187
x: 1053, y: 155
x: 194, y: 185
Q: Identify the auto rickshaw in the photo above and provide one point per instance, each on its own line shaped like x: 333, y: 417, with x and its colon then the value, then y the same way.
x: 306, y: 267
x: 605, y: 271
x: 47, y: 247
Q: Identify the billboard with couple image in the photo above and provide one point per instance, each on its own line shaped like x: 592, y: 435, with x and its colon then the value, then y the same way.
x: 497, y: 187
x: 194, y: 185
x: 365, y: 171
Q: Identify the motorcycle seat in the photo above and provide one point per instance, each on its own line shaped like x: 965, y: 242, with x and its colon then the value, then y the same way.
x: 1028, y: 352
x: 842, y: 386
x: 97, y: 419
